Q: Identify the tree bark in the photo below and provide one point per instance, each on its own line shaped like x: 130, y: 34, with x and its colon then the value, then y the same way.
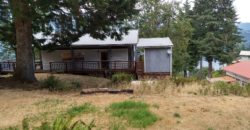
x: 210, y: 68
x: 25, y: 70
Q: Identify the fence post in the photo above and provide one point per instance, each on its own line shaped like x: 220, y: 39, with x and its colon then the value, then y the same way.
x: 1, y: 67
x: 13, y: 66
x: 50, y: 67
x: 115, y: 65
x: 66, y: 67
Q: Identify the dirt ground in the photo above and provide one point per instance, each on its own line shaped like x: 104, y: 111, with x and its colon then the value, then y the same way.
x: 195, y: 112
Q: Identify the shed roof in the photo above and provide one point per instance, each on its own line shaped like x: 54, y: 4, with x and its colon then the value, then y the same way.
x: 154, y: 42
x: 241, y: 68
x: 130, y: 38
x: 245, y: 53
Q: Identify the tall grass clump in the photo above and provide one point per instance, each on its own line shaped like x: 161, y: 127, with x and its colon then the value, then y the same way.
x: 223, y: 88
x: 53, y: 83
x: 137, y: 114
x: 181, y: 81
x: 65, y: 123
x: 122, y: 78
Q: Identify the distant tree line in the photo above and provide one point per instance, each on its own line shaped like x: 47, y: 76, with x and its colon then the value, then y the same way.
x: 206, y: 30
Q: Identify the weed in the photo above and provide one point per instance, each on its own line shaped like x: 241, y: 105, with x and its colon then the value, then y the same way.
x: 136, y: 113
x: 54, y: 84
x: 122, y: 78
x: 210, y: 129
x: 76, y: 84
x: 177, y: 115
x: 78, y: 110
x: 117, y: 125
x: 65, y: 123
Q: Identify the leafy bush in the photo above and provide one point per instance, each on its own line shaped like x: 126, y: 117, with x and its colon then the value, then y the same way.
x: 122, y: 77
x: 55, y: 84
x: 137, y: 114
x: 218, y: 73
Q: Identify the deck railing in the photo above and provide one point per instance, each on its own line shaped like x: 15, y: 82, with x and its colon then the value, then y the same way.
x: 88, y: 66
x: 11, y: 66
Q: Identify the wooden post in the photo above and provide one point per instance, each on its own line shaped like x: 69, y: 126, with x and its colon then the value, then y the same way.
x: 1, y: 69
x: 66, y: 67
x: 50, y: 66
x: 115, y: 65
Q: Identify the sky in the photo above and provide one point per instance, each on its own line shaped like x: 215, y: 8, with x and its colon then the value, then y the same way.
x: 243, y: 9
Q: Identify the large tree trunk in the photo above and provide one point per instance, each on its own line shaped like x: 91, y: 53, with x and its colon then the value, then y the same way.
x: 210, y: 68
x: 24, y: 57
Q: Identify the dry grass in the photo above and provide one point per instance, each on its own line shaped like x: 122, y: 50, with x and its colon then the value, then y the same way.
x: 196, y: 112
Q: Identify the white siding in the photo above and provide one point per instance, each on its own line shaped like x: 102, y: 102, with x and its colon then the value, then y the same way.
x: 89, y: 55
x: 245, y: 58
x: 54, y: 56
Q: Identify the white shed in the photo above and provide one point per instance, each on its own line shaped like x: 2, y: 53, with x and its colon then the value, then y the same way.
x: 157, y: 55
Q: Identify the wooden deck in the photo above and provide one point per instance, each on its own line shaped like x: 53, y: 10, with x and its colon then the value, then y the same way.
x: 98, y: 68
x: 92, y: 66
x: 9, y: 67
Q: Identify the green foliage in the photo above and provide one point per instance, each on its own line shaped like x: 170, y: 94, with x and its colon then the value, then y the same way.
x: 122, y: 78
x: 137, y: 114
x: 11, y: 128
x: 179, y: 80
x: 65, y: 123
x: 55, y: 84
x: 222, y: 88
x: 216, y: 36
x: 25, y: 124
x: 78, y: 110
x: 218, y: 73
x: 177, y: 115
x: 167, y: 19
x: 117, y: 125
x: 200, y: 73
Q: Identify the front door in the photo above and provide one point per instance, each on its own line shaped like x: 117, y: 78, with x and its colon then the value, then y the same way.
x: 104, y: 60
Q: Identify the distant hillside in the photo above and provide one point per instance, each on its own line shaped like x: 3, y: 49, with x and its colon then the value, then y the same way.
x: 245, y: 32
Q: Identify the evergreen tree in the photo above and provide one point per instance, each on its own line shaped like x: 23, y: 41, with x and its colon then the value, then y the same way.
x: 216, y: 35
x: 163, y: 19
x: 64, y: 21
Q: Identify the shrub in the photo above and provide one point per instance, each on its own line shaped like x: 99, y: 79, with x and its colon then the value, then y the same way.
x: 122, y: 77
x: 53, y: 84
x: 76, y: 84
x: 218, y: 73
x: 137, y: 114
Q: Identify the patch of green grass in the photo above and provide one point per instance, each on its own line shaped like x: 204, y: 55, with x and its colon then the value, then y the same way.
x: 117, y: 125
x: 177, y: 115
x: 210, y: 129
x: 11, y: 128
x: 78, y: 110
x: 137, y: 114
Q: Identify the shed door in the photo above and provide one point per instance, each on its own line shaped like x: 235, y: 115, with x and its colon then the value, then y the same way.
x: 157, y: 60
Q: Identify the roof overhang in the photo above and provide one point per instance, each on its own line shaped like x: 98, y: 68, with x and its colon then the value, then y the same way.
x: 155, y: 43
